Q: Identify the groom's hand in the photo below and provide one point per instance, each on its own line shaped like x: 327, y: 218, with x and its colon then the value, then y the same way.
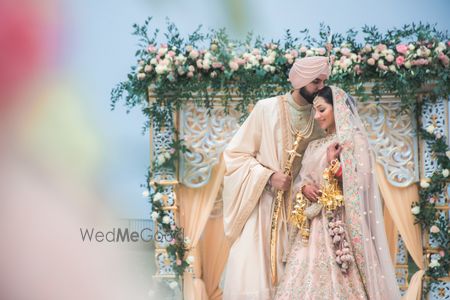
x: 311, y: 191
x: 280, y: 181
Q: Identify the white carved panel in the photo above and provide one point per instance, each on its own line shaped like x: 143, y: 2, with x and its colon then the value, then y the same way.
x: 392, y: 135
x: 206, y: 135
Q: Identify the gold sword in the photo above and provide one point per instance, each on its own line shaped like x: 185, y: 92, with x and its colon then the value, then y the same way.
x: 277, y: 208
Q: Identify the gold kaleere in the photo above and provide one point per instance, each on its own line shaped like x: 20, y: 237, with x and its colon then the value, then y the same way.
x: 298, y: 216
x: 331, y: 199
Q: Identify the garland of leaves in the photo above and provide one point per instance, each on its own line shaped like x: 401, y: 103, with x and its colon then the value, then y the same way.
x: 425, y: 210
x: 401, y: 61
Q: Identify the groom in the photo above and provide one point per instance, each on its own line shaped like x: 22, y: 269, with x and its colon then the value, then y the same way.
x: 255, y: 160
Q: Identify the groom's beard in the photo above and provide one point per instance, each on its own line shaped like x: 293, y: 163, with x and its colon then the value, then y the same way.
x: 307, y: 95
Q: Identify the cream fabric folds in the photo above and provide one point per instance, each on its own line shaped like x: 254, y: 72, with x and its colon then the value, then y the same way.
x: 391, y: 234
x: 214, y: 252
x: 255, y: 152
x: 398, y: 201
x: 195, y: 208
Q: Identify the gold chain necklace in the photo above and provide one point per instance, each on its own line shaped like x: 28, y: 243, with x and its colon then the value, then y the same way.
x: 306, y: 130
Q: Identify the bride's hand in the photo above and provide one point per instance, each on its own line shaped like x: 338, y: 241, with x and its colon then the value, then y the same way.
x: 311, y: 191
x: 333, y: 151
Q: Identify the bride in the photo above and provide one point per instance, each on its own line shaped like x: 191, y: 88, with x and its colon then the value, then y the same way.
x: 340, y: 250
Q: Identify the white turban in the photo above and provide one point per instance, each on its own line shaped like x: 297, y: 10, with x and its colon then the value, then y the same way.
x: 305, y: 70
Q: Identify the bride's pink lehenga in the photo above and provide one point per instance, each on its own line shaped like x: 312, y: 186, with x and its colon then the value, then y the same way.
x: 312, y: 271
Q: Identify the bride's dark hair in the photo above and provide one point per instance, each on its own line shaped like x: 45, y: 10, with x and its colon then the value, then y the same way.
x: 327, y: 94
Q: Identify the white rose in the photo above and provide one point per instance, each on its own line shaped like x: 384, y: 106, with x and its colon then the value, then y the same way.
x: 180, y: 70
x: 160, y: 69
x: 148, y: 68
x: 173, y: 285
x: 190, y: 259
x: 390, y: 58
x: 140, y: 76
x: 146, y: 193
x: 411, y: 47
x: 445, y: 172
x: 392, y: 68
x: 424, y: 184
x: 167, y: 155
x: 161, y: 159
x: 448, y: 154
x: 155, y: 216
x: 187, y: 241
x: 309, y: 53
x: 157, y: 197
x: 407, y: 64
x: 430, y: 129
x: 154, y: 61
x: 194, y: 54
x: 166, y: 219
x: 434, y: 263
x: 415, y: 210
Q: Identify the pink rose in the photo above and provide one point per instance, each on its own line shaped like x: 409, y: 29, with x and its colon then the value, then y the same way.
x: 442, y: 253
x: 444, y: 59
x: 400, y: 60
x: 322, y: 51
x: 234, y: 65
x: 294, y: 53
x: 151, y: 48
x: 375, y: 56
x: 171, y: 53
x: 199, y: 64
x: 371, y: 61
x: 357, y: 69
x: 178, y: 262
x: 434, y: 229
x: 216, y: 65
x: 401, y: 48
x: 345, y: 51
x: 380, y: 47
x: 432, y: 200
x: 190, y: 74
